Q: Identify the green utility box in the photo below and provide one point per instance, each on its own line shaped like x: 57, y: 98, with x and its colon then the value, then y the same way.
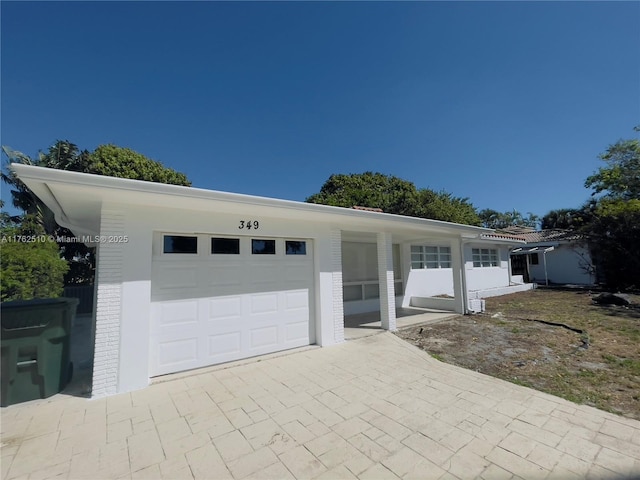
x: 35, y: 348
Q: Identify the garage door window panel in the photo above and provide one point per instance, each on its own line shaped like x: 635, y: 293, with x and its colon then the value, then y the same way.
x: 263, y: 247
x: 295, y: 247
x: 180, y: 244
x: 225, y: 246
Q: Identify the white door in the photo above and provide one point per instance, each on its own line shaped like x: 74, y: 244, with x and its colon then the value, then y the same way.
x: 217, y: 299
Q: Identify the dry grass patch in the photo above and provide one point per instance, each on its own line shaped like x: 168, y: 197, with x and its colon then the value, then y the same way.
x: 596, y: 361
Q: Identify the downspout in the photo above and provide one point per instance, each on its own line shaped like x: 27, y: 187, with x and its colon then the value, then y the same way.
x: 463, y: 277
x: 509, y: 265
x: 544, y: 259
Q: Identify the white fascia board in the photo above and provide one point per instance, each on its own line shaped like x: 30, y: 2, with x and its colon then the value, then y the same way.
x: 43, y: 192
x: 136, y: 192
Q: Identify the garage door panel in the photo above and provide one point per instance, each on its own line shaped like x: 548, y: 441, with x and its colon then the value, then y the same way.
x: 265, y: 303
x: 297, y: 273
x: 261, y: 277
x: 177, y: 313
x: 295, y: 332
x: 222, y: 308
x: 224, y: 345
x: 263, y: 337
x: 178, y: 353
x: 172, y: 277
x: 225, y: 275
x: 296, y: 300
x: 225, y: 308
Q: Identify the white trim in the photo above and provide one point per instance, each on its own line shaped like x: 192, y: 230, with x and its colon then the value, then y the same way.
x: 139, y: 192
x: 386, y: 281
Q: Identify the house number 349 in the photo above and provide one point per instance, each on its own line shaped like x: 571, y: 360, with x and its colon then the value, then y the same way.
x: 249, y: 224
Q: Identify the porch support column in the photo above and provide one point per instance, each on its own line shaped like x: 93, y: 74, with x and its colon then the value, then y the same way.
x: 459, y: 276
x: 385, y: 280
x: 338, y: 307
x: 108, y: 305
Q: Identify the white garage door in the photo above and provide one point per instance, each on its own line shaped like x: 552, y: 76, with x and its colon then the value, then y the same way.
x: 217, y: 299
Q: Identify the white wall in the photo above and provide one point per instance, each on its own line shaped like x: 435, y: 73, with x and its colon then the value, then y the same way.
x: 564, y: 265
x: 480, y: 278
x: 429, y: 282
x: 439, y: 281
x: 425, y: 282
x: 133, y: 303
x: 136, y: 304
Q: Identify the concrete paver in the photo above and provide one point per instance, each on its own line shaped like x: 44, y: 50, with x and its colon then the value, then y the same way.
x: 373, y: 407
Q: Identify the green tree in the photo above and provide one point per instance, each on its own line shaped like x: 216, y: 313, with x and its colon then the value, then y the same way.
x: 393, y: 195
x: 444, y: 206
x: 114, y: 161
x: 620, y: 179
x: 565, y: 218
x: 497, y: 220
x: 369, y: 189
x: 108, y: 160
x: 30, y: 262
x: 614, y: 236
x: 613, y: 219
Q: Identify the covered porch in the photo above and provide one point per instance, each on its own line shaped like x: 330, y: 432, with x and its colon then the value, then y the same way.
x: 364, y: 324
x: 378, y: 283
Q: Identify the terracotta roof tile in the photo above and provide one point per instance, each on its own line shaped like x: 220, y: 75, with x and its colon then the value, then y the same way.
x: 503, y: 236
x: 537, y: 236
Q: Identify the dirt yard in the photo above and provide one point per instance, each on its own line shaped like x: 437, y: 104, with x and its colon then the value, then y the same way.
x: 593, y: 359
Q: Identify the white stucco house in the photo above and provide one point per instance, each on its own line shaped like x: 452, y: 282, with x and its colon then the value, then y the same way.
x: 188, y: 278
x: 553, y: 256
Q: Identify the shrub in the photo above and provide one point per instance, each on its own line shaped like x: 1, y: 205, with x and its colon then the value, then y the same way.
x: 30, y: 264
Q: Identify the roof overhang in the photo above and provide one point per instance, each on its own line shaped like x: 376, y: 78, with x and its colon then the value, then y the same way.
x: 76, y: 199
x: 504, y: 239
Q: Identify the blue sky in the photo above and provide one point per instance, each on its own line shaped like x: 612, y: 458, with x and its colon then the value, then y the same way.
x: 507, y: 103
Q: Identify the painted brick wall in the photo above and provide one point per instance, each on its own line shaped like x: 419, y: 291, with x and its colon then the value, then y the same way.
x: 108, y: 306
x: 338, y: 309
x: 385, y: 276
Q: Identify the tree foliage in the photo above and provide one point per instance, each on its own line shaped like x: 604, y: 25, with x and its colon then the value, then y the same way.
x: 498, y: 220
x: 620, y: 179
x: 369, y: 189
x: 108, y: 160
x: 614, y: 227
x: 444, y: 206
x: 114, y: 161
x: 30, y: 263
x: 614, y: 236
x: 566, y: 218
x: 610, y: 221
x: 393, y: 195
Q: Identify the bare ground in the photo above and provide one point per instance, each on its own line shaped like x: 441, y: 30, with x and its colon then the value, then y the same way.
x: 585, y: 353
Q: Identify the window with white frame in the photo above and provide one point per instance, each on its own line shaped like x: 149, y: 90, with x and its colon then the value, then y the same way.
x: 485, y: 257
x: 423, y: 256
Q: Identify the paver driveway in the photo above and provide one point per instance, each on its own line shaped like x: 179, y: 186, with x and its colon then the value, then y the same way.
x: 375, y: 407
